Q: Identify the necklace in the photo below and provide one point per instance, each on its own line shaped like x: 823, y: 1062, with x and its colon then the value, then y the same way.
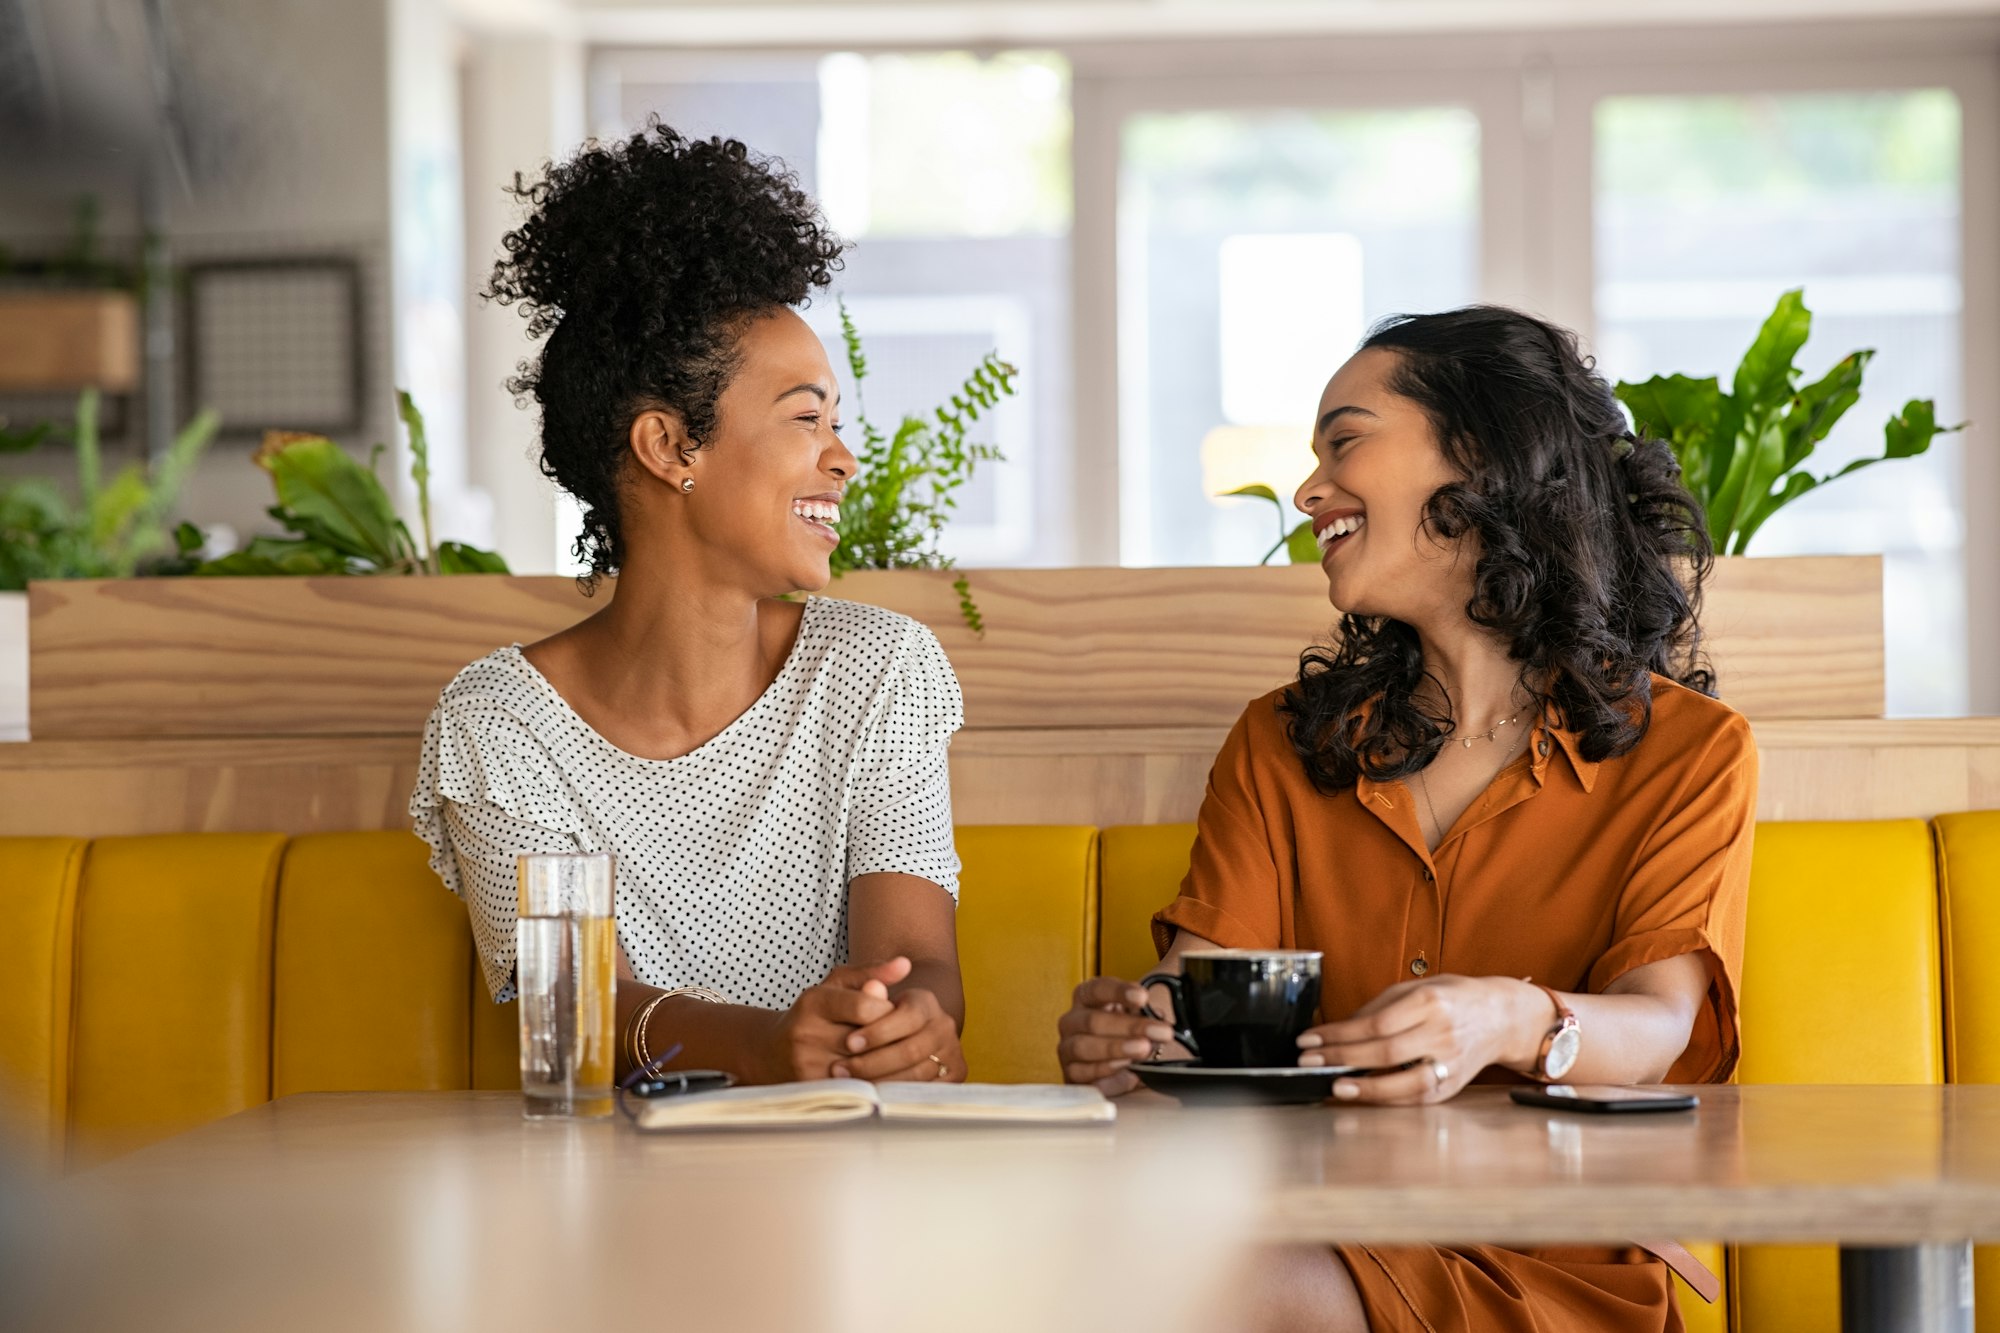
x: 1423, y: 780
x: 1490, y: 733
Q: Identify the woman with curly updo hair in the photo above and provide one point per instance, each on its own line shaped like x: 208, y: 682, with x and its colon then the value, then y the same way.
x: 1504, y: 804
x: 770, y: 773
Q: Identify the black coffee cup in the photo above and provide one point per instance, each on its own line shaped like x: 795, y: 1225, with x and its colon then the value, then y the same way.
x: 1243, y: 1008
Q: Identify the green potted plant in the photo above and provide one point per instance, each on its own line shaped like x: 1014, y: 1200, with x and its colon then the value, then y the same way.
x: 339, y: 517
x: 112, y: 528
x: 1744, y: 451
x: 897, y: 507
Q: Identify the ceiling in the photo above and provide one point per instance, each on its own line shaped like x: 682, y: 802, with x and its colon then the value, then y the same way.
x: 979, y: 22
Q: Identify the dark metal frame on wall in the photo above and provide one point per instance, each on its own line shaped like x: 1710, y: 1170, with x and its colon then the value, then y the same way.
x: 196, y: 358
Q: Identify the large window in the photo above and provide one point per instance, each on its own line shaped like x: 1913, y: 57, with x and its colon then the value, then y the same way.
x: 1254, y: 249
x: 1708, y: 207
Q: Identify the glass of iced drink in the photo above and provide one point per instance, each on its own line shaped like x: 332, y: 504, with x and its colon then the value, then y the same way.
x: 565, y: 942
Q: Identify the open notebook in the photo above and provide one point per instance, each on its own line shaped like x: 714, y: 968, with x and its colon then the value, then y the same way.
x: 831, y: 1101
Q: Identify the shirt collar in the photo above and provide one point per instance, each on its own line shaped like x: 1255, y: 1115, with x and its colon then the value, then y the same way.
x: 1570, y: 744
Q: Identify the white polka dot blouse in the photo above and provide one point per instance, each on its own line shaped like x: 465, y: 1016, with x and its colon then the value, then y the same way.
x: 733, y: 860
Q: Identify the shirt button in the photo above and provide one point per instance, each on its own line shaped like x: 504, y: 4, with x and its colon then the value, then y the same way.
x: 1418, y: 967
x: 1429, y: 878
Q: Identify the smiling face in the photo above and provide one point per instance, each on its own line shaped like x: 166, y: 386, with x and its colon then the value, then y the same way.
x: 1378, y: 464
x: 768, y: 481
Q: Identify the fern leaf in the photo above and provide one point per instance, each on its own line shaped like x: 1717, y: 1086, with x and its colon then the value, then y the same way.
x: 968, y: 608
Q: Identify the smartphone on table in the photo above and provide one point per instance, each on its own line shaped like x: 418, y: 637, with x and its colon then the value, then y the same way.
x: 1603, y: 1099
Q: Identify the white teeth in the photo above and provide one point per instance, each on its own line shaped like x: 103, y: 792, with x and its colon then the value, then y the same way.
x: 1340, y: 527
x: 817, y: 511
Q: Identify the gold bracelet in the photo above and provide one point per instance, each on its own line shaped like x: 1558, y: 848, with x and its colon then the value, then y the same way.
x: 640, y: 1057
x: 697, y: 993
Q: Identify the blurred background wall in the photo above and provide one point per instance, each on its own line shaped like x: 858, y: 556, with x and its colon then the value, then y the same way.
x: 1176, y: 215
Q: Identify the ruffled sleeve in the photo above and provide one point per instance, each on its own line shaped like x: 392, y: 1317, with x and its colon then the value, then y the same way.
x: 900, y: 818
x: 487, y: 791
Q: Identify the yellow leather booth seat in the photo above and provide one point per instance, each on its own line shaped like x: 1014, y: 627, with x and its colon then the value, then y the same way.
x: 38, y: 882
x: 1842, y: 977
x: 369, y: 943
x: 172, y: 1019
x: 1144, y: 865
x: 1027, y: 935
x: 161, y: 982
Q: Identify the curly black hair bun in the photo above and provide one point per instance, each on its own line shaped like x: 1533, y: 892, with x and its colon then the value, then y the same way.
x: 639, y: 259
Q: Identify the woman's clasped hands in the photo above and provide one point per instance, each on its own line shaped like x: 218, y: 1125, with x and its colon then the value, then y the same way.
x: 850, y: 1026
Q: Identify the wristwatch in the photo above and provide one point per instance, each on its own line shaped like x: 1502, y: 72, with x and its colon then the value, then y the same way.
x: 1561, y: 1044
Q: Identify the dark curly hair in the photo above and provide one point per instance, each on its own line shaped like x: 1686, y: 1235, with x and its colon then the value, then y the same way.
x: 640, y: 260
x: 1592, y: 552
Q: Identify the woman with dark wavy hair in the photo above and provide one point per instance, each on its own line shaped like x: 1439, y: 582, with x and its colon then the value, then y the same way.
x: 770, y: 773
x: 1503, y: 804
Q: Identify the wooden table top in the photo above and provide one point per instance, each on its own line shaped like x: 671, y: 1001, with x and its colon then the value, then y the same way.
x: 446, y: 1202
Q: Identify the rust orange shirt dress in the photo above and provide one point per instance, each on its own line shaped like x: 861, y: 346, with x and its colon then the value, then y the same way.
x: 1568, y: 872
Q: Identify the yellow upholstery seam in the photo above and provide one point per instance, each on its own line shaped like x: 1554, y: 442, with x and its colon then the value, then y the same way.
x: 267, y: 931
x: 75, y: 990
x: 1093, y: 905
x: 1945, y: 974
x: 62, y: 1018
x: 1939, y: 959
x: 277, y: 1026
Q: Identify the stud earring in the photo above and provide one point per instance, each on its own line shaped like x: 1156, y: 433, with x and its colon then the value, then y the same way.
x: 687, y: 484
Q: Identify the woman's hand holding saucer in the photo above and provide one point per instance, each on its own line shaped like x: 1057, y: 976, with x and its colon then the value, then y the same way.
x: 1429, y: 1038
x: 1105, y: 1030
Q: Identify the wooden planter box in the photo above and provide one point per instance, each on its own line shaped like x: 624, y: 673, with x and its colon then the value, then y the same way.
x: 54, y: 341
x: 1096, y: 649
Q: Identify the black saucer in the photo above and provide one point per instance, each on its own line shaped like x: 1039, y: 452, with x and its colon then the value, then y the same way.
x: 1195, y: 1083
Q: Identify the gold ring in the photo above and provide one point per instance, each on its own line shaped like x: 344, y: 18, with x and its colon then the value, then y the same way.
x: 943, y: 1073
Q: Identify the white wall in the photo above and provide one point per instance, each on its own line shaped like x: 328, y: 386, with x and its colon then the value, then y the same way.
x: 427, y: 193
x: 524, y: 105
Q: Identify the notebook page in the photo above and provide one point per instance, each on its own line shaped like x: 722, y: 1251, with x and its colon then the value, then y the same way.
x: 1013, y: 1103
x: 776, y: 1105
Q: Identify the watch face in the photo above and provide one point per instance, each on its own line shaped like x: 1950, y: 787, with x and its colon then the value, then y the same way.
x: 1562, y: 1054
